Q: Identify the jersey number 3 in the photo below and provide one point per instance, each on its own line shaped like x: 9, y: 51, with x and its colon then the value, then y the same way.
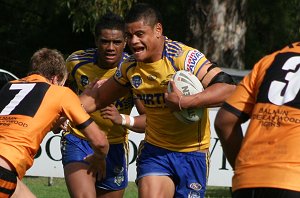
x: 283, y: 92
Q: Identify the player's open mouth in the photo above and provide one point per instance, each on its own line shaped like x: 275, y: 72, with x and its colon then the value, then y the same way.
x: 138, y: 50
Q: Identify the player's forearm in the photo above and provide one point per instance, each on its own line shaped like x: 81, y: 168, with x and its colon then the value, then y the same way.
x: 229, y: 131
x: 212, y: 96
x: 88, y: 102
x: 97, y: 139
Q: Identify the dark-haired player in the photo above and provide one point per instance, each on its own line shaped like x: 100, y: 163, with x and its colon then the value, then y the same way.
x: 266, y: 161
x: 86, y: 66
x: 173, y: 160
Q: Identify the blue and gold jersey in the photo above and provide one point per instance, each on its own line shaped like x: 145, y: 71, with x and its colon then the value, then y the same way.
x: 149, y: 83
x: 83, y: 69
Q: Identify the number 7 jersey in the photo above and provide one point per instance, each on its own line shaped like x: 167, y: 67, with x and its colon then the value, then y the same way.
x: 28, y: 109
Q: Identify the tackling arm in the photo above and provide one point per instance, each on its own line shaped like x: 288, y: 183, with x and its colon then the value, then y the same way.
x: 229, y: 130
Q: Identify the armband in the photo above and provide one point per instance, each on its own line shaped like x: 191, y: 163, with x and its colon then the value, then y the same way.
x: 222, y: 77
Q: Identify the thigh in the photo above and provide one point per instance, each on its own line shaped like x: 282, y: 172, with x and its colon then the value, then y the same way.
x: 22, y: 191
x: 116, y: 172
x: 154, y: 173
x: 156, y: 186
x: 79, y: 183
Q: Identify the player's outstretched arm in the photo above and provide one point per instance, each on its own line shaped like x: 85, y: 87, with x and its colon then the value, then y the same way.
x: 100, y: 95
x: 228, y: 129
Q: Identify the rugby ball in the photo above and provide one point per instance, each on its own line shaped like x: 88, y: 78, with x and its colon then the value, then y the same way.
x: 188, y: 84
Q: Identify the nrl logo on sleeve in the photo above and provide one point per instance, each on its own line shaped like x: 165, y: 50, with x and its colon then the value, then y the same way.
x: 84, y: 80
x: 191, y: 60
x: 136, y: 81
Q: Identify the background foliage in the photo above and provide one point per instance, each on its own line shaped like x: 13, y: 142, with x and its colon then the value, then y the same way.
x: 26, y: 26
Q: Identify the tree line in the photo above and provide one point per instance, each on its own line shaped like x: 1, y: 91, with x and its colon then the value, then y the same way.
x: 232, y: 33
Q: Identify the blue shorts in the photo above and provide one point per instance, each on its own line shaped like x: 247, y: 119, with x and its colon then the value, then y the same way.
x: 75, y: 149
x: 188, y: 170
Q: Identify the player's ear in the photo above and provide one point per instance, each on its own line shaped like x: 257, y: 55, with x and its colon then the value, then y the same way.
x: 158, y: 29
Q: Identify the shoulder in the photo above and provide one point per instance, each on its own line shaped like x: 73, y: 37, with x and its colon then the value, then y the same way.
x: 81, y: 55
x: 183, y: 56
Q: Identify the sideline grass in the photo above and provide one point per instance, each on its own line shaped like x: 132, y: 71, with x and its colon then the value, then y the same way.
x: 41, y: 188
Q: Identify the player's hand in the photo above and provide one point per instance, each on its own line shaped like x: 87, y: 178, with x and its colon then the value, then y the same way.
x: 97, y: 166
x: 60, y: 125
x: 174, y: 97
x: 112, y: 113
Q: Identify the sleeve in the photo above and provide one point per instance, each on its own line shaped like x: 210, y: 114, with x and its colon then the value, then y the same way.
x: 244, y: 97
x: 191, y: 60
x: 121, y: 73
x: 73, y: 109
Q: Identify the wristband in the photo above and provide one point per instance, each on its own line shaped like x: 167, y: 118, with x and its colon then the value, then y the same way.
x: 123, y: 119
x: 131, y: 123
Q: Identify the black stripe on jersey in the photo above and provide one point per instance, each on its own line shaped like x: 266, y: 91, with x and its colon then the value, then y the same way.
x: 276, y: 73
x: 85, y: 124
x: 8, y: 175
x: 29, y: 103
x: 243, y: 116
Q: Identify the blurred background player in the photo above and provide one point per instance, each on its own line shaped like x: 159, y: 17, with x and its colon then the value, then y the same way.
x: 266, y: 161
x: 173, y: 160
x: 86, y: 66
x: 29, y: 108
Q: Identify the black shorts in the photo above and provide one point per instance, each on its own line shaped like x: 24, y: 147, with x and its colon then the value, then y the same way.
x: 265, y: 193
x: 8, y: 182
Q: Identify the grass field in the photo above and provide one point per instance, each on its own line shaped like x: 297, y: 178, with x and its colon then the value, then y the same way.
x: 41, y: 188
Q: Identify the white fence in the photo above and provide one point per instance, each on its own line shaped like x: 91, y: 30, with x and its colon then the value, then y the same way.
x: 48, y: 160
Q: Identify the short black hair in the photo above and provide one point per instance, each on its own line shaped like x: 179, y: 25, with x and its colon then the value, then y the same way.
x: 144, y: 11
x: 109, y: 21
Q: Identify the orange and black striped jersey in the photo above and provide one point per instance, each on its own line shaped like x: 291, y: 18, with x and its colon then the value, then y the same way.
x: 270, y: 97
x: 149, y: 83
x: 28, y: 109
x: 84, y: 69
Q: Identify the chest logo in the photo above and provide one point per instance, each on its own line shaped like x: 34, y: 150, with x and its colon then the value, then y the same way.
x: 136, y: 81
x: 84, y: 80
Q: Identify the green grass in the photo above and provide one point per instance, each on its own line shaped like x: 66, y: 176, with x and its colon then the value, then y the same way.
x: 41, y: 188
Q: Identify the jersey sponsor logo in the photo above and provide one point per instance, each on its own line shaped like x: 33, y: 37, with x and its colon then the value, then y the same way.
x: 191, y: 60
x: 84, y: 80
x: 152, y: 100
x: 136, y: 81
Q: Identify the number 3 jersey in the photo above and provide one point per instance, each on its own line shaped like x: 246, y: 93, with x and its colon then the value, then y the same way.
x: 83, y: 69
x: 29, y: 107
x: 149, y: 83
x: 270, y: 96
